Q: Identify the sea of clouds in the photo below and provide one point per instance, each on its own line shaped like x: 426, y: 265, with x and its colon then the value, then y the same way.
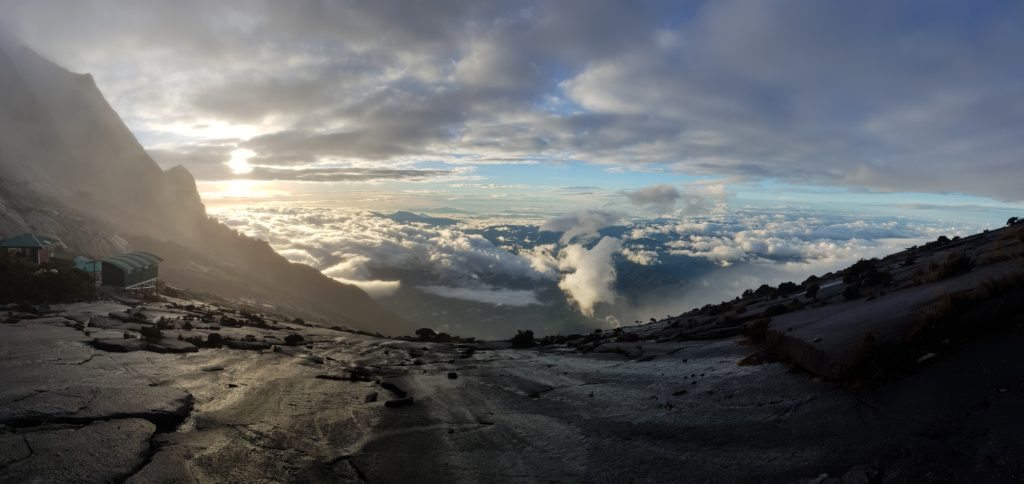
x: 590, y: 268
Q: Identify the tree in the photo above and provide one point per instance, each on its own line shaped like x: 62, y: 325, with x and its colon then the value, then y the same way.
x: 425, y: 334
x: 523, y: 339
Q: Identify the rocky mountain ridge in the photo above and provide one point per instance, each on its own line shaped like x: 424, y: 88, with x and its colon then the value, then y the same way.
x: 70, y: 167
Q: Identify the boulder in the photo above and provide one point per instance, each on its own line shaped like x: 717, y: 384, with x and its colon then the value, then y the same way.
x: 167, y: 345
x: 120, y: 345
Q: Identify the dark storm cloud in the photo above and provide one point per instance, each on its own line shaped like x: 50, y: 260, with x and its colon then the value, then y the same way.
x: 886, y: 95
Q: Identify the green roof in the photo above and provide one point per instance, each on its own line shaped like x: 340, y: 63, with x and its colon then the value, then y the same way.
x: 29, y: 240
x: 132, y: 261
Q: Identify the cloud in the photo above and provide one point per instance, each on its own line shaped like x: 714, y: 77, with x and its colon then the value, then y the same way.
x: 591, y: 273
x: 640, y: 256
x: 375, y: 252
x: 584, y: 224
x: 661, y: 198
x: 349, y: 174
x: 838, y: 93
x: 486, y: 294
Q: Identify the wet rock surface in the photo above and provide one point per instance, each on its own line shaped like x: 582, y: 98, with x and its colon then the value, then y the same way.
x: 103, y: 451
x: 684, y: 410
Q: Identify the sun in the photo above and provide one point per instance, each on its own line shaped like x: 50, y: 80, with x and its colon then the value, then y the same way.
x: 239, y: 162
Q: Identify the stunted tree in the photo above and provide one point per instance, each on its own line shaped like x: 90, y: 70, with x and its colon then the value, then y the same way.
x: 425, y: 334
x: 812, y: 290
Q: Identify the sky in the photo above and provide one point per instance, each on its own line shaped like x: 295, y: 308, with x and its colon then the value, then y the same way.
x: 915, y: 97
x: 744, y: 132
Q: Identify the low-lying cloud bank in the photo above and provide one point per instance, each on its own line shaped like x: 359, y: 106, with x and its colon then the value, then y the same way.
x: 604, y: 267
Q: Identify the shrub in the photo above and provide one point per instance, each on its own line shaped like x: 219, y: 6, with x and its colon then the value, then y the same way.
x: 787, y: 288
x: 554, y: 339
x: 764, y: 290
x: 187, y: 326
x: 523, y: 339
x: 443, y: 337
x: 851, y: 292
x: 151, y: 334
x: 214, y: 340
x: 425, y: 334
x: 164, y: 323
x: 24, y: 282
x: 775, y: 310
x: 812, y: 290
x: 628, y: 338
x: 757, y: 330
x: 293, y: 339
x: 956, y: 263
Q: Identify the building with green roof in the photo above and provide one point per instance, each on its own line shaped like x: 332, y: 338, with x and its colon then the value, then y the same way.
x: 134, y: 270
x: 31, y: 247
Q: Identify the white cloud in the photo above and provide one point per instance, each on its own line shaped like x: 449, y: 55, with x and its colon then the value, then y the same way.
x: 486, y: 294
x: 661, y: 198
x: 640, y: 256
x: 583, y: 225
x: 591, y: 277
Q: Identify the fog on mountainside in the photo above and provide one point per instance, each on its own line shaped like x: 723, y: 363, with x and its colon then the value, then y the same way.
x: 71, y: 168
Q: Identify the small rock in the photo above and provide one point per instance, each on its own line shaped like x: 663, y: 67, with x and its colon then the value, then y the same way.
x: 212, y: 368
x: 452, y: 375
x: 394, y: 389
x: 925, y: 357
x: 372, y: 397
x: 398, y: 402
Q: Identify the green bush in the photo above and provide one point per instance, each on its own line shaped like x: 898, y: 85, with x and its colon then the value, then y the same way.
x: 523, y: 339
x: 812, y: 290
x: 628, y: 338
x: 151, y: 334
x: 24, y: 282
x: 214, y: 340
x: 757, y: 330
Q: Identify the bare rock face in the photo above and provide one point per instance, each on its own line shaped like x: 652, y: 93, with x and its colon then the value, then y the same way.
x: 164, y: 406
x: 105, y: 451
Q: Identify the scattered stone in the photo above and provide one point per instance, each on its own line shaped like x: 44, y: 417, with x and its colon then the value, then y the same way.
x: 398, y: 402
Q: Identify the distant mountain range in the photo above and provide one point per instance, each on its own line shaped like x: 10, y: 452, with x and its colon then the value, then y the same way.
x: 409, y: 217
x: 71, y: 168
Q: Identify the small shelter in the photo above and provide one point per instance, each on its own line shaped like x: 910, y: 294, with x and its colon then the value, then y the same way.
x: 133, y: 270
x: 89, y: 266
x: 31, y: 247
